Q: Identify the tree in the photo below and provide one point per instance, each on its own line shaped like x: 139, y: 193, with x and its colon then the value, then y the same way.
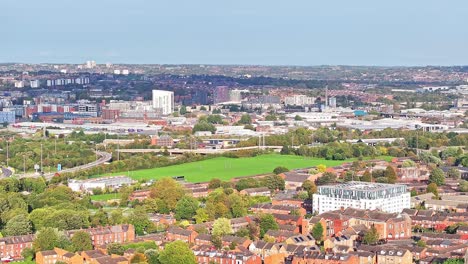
x: 177, y: 252
x: 214, y: 183
x: 298, y: 118
x: 214, y: 119
x: 437, y: 176
x: 139, y: 218
x: 99, y: 218
x: 116, y: 217
x: 285, y: 150
x: 371, y: 237
x: 115, y: 248
x: 326, y: 178
x: 186, y: 208
x: 138, y: 258
x: 317, y: 232
x: 203, y: 126
x: 152, y: 256
x: 269, y: 239
x: 169, y: 191
x: 309, y: 187
x: 390, y: 174
x: 366, y: 177
x: 463, y: 187
x: 183, y: 110
x: 18, y: 225
x: 81, y: 241
x: 271, y: 118
x: 432, y: 188
x: 201, y: 216
x: 267, y: 222
x: 421, y: 243
x: 274, y: 182
x: 408, y: 163
x: 217, y: 241
x: 221, y: 227
x: 245, y: 119
x: 280, y: 169
x: 454, y: 173
x: 49, y: 238
x: 28, y: 253
x: 321, y: 168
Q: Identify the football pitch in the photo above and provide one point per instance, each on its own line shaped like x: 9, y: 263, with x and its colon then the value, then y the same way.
x: 227, y: 168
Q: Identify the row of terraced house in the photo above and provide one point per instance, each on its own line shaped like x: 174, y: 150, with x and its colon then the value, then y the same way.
x: 13, y: 246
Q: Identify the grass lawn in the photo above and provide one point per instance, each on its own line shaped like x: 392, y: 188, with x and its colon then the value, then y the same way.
x: 228, y: 168
x: 105, y: 197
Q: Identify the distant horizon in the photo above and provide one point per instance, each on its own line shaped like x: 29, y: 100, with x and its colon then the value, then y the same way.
x: 221, y: 64
x: 396, y: 33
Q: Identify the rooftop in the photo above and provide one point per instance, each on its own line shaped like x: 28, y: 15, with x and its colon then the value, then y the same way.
x: 364, y: 186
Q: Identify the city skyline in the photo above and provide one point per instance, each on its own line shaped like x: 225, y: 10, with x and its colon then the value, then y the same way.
x: 260, y: 33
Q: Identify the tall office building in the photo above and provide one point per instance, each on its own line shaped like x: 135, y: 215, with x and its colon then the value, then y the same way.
x: 332, y: 102
x: 391, y: 198
x: 221, y: 94
x: 200, y: 97
x: 163, y: 101
x: 235, y: 95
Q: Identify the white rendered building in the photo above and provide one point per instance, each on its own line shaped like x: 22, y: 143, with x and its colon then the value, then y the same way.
x: 391, y: 198
x: 164, y: 101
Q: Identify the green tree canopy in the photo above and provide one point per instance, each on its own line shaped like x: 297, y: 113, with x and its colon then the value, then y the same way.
x: 309, y: 187
x: 371, y: 237
x: 177, y: 252
x: 317, y: 232
x: 245, y: 119
x: 280, y: 169
x: 203, y: 126
x: 169, y: 191
x: 152, y: 256
x: 390, y: 174
x: 81, y: 241
x: 274, y: 182
x: 186, y: 208
x: 267, y: 222
x: 115, y: 248
x: 49, y: 238
x: 454, y: 173
x: 366, y: 177
x: 432, y: 188
x: 437, y: 176
x: 221, y: 227
x: 18, y: 225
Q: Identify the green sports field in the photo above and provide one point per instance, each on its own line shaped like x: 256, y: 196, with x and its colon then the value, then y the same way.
x: 105, y: 196
x: 228, y: 168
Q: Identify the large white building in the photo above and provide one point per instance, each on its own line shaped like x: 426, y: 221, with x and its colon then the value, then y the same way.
x: 113, y: 182
x: 299, y: 100
x: 391, y: 198
x: 163, y: 101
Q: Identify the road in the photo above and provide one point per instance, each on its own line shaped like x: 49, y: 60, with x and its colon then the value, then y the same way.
x: 199, y: 151
x: 103, y: 158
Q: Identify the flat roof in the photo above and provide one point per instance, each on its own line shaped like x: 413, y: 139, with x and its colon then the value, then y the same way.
x: 364, y: 186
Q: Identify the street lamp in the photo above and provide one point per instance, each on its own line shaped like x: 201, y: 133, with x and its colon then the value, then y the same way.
x: 41, y: 160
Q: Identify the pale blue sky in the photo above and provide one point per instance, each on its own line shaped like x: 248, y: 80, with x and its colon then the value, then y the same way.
x: 271, y: 32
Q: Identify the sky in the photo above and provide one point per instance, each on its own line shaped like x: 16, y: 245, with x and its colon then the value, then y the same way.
x: 259, y: 32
